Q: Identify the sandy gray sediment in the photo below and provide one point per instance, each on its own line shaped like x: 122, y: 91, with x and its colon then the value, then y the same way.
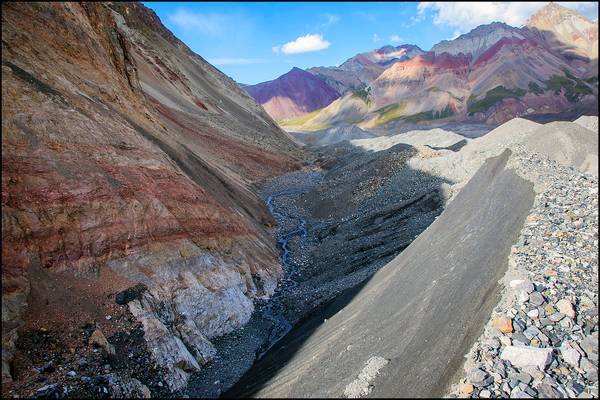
x: 418, y: 311
x: 550, y: 297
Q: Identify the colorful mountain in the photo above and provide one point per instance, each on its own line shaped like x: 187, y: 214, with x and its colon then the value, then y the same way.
x: 491, y: 74
x: 359, y: 71
x: 567, y: 30
x: 292, y: 94
x: 478, y: 40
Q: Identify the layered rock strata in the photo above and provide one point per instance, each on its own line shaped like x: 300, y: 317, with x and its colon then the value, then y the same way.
x: 126, y: 159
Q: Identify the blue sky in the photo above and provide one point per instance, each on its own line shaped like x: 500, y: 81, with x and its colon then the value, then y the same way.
x: 256, y: 42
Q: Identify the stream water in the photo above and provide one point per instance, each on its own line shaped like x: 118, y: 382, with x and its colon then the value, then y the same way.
x: 280, y: 325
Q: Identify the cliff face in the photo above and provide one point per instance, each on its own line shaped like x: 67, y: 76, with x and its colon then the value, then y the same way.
x: 128, y: 159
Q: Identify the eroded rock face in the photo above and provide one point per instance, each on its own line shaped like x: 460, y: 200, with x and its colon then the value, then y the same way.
x: 128, y: 159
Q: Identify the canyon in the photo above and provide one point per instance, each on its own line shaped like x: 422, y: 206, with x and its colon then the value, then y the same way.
x: 163, y: 236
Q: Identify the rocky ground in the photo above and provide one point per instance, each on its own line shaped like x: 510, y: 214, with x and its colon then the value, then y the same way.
x: 84, y: 363
x: 360, y: 209
x: 341, y: 218
x: 542, y: 339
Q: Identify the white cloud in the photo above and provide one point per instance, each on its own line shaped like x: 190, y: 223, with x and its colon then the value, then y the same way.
x: 395, y: 39
x: 414, y: 20
x: 467, y: 15
x: 331, y: 20
x: 376, y: 38
x: 303, y: 44
x: 236, y: 61
x: 210, y: 24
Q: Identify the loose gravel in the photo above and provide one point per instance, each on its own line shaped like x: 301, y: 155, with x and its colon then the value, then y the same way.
x: 542, y: 339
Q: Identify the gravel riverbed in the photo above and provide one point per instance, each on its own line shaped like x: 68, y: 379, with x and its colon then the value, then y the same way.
x: 336, y: 227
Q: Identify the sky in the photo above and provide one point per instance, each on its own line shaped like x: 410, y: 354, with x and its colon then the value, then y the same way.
x: 255, y: 42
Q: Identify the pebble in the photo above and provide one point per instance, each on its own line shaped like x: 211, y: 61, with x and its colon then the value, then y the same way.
x: 565, y: 307
x: 479, y: 377
x: 556, y: 317
x: 503, y: 324
x: 519, y: 338
x: 546, y: 391
x: 521, y: 377
x: 466, y: 388
x: 98, y: 339
x: 536, y: 299
x: 569, y: 354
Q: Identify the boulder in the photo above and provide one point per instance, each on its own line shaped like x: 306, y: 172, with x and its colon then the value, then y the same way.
x: 523, y: 356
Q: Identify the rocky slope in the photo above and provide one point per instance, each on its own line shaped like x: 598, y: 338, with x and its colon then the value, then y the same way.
x: 128, y: 162
x: 542, y: 339
x: 292, y: 94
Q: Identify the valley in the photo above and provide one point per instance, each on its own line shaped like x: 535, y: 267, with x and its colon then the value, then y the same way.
x: 408, y: 223
x: 358, y: 240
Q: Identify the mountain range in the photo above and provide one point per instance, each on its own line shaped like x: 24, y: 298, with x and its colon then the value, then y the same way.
x: 491, y: 74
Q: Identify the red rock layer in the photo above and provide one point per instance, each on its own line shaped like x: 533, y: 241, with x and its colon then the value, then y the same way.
x: 118, y: 141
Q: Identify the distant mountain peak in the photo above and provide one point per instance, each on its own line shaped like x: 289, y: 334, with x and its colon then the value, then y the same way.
x: 477, y: 40
x: 293, y: 94
x: 567, y: 28
x: 554, y: 12
x: 387, y: 47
